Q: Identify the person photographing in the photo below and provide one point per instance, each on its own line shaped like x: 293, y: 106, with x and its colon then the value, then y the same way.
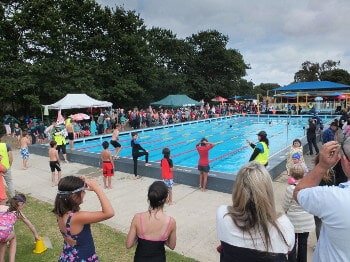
x: 261, y: 149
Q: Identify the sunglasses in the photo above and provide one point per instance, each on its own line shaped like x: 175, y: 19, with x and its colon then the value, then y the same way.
x: 342, y: 148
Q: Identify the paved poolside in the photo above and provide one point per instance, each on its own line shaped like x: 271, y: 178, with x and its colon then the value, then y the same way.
x: 193, y: 210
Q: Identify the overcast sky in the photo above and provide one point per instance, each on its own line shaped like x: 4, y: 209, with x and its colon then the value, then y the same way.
x: 274, y: 36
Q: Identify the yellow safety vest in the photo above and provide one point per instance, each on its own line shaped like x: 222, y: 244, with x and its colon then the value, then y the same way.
x: 263, y: 158
x: 5, y: 156
x: 60, y: 140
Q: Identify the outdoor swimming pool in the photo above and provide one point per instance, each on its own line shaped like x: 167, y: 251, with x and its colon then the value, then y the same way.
x: 232, y: 132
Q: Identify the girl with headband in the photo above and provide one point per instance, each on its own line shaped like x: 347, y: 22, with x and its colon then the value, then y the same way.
x: 75, y: 224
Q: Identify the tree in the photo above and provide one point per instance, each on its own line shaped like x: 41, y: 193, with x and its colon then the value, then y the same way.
x: 336, y: 75
x: 328, y: 71
x: 212, y: 68
x: 309, y: 72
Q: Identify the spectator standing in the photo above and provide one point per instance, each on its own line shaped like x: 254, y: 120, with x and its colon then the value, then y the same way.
x: 330, y: 204
x: 6, y: 161
x: 73, y: 223
x: 329, y: 133
x: 250, y: 229
x: 153, y: 229
x: 302, y: 221
x: 311, y: 137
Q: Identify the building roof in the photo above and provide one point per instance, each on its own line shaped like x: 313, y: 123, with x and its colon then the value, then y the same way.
x: 313, y: 86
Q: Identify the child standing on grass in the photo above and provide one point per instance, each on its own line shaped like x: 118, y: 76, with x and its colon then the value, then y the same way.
x: 152, y: 229
x: 8, y: 217
x: 75, y: 224
x: 24, y: 143
x: 107, y: 165
x: 167, y: 173
x: 54, y: 163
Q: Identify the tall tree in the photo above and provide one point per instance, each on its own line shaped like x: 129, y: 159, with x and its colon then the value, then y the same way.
x: 213, y: 69
x: 309, y: 72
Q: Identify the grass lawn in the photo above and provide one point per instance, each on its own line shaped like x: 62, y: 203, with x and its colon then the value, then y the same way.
x: 110, y: 244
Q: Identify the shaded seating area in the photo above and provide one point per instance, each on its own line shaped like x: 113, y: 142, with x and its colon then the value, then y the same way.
x: 321, y: 96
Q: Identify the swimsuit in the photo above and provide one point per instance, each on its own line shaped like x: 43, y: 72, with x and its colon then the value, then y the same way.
x: 115, y: 143
x: 151, y: 250
x: 7, y: 222
x: 83, y: 250
x: 108, y: 169
x: 24, y: 153
x: 55, y: 165
x: 70, y: 136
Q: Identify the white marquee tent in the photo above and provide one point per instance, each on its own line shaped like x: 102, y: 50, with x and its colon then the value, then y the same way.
x: 71, y: 101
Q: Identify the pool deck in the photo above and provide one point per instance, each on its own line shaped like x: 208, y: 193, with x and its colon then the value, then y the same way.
x: 193, y: 210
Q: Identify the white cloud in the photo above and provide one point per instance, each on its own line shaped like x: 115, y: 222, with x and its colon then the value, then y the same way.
x: 274, y: 36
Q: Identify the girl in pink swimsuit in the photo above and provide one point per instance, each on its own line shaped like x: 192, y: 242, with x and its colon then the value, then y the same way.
x: 8, y: 217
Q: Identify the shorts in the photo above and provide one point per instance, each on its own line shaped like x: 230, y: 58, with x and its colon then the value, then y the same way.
x: 24, y: 153
x: 169, y: 183
x: 61, y: 147
x: 115, y: 144
x: 55, y: 165
x: 204, y: 169
x: 70, y: 136
x: 107, y: 168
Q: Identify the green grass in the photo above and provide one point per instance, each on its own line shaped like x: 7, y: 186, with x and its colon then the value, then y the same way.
x: 110, y: 244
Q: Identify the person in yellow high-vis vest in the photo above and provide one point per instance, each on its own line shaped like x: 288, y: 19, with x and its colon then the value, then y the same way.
x: 7, y: 159
x: 261, y: 149
x: 61, y: 143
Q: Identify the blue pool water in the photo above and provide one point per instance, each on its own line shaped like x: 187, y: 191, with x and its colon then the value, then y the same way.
x: 232, y: 132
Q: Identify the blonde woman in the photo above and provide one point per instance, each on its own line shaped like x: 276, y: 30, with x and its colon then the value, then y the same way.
x: 250, y: 229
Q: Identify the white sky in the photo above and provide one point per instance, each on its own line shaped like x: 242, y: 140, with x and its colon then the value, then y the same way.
x: 274, y: 36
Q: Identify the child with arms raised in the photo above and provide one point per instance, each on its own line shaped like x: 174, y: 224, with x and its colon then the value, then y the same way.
x: 75, y: 224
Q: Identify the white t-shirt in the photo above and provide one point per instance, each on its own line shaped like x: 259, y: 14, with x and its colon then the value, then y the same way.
x: 228, y: 232
x: 332, y: 205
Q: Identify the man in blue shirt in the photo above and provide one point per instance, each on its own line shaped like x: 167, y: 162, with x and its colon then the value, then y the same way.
x: 329, y: 133
x: 330, y: 203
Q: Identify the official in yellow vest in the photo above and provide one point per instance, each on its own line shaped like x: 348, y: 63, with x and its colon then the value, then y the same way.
x: 261, y: 149
x: 7, y: 159
x: 61, y: 143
